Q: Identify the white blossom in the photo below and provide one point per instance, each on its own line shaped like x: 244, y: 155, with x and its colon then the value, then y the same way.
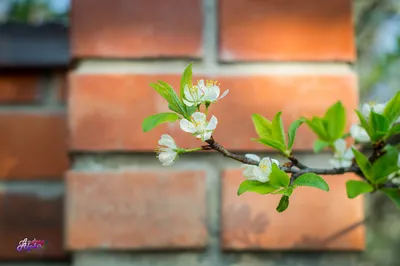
x: 167, y: 151
x: 368, y: 107
x: 198, y: 126
x: 193, y: 95
x: 261, y: 172
x: 342, y: 157
x: 359, y: 134
x: 211, y: 90
x: 395, y: 177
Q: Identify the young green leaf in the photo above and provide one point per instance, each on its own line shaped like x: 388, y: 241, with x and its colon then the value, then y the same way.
x: 152, y: 121
x: 385, y: 165
x: 392, y: 109
x: 393, y: 131
x: 364, y: 164
x: 168, y: 93
x: 278, y: 132
x: 393, y: 194
x: 262, y: 125
x: 317, y: 126
x: 186, y: 79
x: 283, y: 204
x: 364, y: 122
x: 336, y: 120
x: 319, y: 145
x: 292, y: 131
x: 273, y: 143
x: 279, y: 177
x: 380, y: 126
x: 311, y: 180
x: 284, y: 191
x: 355, y: 188
x: 256, y: 186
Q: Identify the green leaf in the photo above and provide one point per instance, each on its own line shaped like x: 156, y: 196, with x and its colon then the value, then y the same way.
x: 392, y: 109
x: 284, y: 191
x: 152, y: 121
x: 364, y: 164
x: 279, y: 177
x: 262, y: 125
x: 273, y: 143
x: 283, y: 204
x: 292, y: 131
x: 394, y: 130
x: 257, y: 187
x: 278, y: 132
x: 317, y: 126
x: 186, y: 79
x: 319, y: 145
x: 379, y: 124
x: 364, y: 123
x: 385, y: 165
x: 336, y: 121
x: 311, y: 180
x: 393, y: 194
x: 168, y: 93
x: 355, y: 188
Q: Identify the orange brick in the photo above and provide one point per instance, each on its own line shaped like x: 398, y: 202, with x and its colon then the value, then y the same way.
x: 315, y: 219
x: 307, y: 30
x: 28, y: 215
x: 136, y: 210
x: 61, y: 87
x: 33, y: 145
x: 146, y: 28
x: 19, y: 87
x: 106, y: 111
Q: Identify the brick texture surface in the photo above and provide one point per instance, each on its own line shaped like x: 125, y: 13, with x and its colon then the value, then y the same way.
x: 29, y: 215
x: 307, y: 30
x: 19, y: 87
x: 33, y: 145
x: 144, y: 28
x: 136, y: 210
x: 315, y: 219
x: 106, y: 111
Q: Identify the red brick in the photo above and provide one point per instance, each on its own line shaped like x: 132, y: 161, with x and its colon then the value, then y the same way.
x: 61, y: 87
x: 146, y: 28
x: 106, y: 111
x: 315, y: 219
x: 29, y: 215
x: 33, y: 145
x: 136, y: 210
x: 19, y: 87
x: 307, y: 30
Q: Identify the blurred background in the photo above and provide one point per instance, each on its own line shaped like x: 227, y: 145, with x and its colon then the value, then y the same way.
x: 29, y: 27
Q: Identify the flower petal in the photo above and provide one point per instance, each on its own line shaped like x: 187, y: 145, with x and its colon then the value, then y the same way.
x: 199, y: 117
x: 212, y: 93
x: 187, y: 126
x: 359, y: 134
x: 340, y: 146
x: 212, y: 124
x: 253, y: 157
x: 378, y: 108
x: 265, y: 163
x: 366, y: 110
x: 348, y: 155
x: 167, y: 157
x: 335, y: 163
x: 167, y: 140
x: 188, y: 95
x: 187, y: 103
x: 224, y: 94
x: 206, y: 136
x: 275, y: 162
x: 345, y: 163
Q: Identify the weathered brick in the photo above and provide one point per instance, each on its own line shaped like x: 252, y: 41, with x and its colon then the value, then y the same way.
x: 30, y: 215
x: 33, y: 145
x: 106, y: 111
x: 19, y: 87
x: 146, y: 28
x: 315, y: 219
x: 307, y: 30
x: 136, y: 210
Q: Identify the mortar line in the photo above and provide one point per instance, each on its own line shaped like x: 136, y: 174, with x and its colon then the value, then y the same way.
x: 210, y: 33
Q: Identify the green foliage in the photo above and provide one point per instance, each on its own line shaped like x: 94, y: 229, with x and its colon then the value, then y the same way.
x: 153, y: 121
x: 385, y: 165
x: 364, y: 164
x: 283, y: 204
x: 257, y: 187
x: 278, y: 177
x: 379, y: 126
x: 355, y: 188
x: 187, y: 80
x: 392, y: 109
x: 272, y: 133
x: 393, y: 194
x: 311, y: 180
x: 319, y: 145
x: 330, y: 127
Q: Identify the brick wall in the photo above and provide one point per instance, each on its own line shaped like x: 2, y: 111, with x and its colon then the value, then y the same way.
x: 273, y: 55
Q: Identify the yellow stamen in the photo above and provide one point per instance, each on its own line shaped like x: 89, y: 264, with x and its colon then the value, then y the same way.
x: 210, y: 83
